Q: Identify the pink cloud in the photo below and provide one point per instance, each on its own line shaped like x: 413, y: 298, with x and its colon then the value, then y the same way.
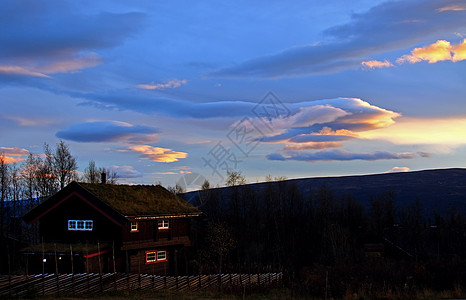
x: 174, y: 83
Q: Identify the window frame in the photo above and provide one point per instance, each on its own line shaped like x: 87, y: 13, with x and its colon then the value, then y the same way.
x: 152, y: 256
x: 163, y: 224
x: 80, y: 225
x: 134, y: 227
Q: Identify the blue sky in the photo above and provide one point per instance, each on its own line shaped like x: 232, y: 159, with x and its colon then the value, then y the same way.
x: 159, y: 90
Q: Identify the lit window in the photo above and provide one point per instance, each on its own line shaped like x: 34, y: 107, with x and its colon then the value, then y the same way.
x: 151, y: 256
x: 134, y: 227
x: 163, y: 224
x: 161, y: 255
x: 155, y: 256
x: 80, y: 225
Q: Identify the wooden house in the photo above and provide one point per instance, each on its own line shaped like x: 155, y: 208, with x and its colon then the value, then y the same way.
x: 104, y: 228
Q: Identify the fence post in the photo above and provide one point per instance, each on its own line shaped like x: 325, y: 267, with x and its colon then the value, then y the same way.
x: 72, y: 270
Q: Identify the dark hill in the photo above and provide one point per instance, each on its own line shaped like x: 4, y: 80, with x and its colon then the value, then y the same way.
x: 437, y: 190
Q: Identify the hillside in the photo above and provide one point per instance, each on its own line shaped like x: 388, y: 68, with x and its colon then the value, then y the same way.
x: 438, y: 190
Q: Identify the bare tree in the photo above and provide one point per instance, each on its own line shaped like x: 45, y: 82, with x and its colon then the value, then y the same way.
x: 64, y: 164
x: 235, y: 178
x: 92, y: 173
x: 4, y: 185
x: 46, y: 180
x: 177, y: 189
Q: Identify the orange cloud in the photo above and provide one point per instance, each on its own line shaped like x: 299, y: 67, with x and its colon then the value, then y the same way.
x: 374, y: 64
x: 12, y: 155
x: 158, y: 154
x: 160, y: 86
x: 439, y: 51
x: 459, y: 51
x: 454, y: 7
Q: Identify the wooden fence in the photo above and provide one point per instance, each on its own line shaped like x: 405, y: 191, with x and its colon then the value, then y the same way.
x: 89, y: 283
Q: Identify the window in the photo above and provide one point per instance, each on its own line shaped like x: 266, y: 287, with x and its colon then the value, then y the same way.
x: 162, y: 255
x: 151, y: 257
x: 163, y: 224
x: 134, y: 227
x: 80, y: 225
x: 156, y: 256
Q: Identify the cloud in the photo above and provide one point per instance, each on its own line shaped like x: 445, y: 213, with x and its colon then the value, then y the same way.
x: 49, y: 37
x: 13, y: 155
x: 18, y: 70
x: 398, y: 170
x: 381, y: 29
x: 422, y: 131
x: 109, y: 131
x: 174, y: 83
x: 453, y: 7
x: 439, y: 51
x: 338, y: 155
x: 29, y: 122
x: 375, y: 64
x: 125, y: 171
x: 331, y: 123
x: 158, y: 154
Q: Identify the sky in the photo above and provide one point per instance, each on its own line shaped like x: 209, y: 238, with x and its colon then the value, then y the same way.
x: 181, y: 91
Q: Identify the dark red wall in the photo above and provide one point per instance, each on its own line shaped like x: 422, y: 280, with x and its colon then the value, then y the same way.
x: 54, y: 225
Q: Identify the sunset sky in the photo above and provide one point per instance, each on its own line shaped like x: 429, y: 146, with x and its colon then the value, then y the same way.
x: 157, y: 90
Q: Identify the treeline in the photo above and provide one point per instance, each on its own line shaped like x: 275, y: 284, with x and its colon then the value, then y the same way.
x: 331, y: 244
x: 24, y: 184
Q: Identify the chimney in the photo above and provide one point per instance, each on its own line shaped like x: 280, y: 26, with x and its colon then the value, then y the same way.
x: 103, y: 177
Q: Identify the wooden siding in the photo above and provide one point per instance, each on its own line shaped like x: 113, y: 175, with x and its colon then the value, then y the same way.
x: 138, y: 264
x: 54, y: 225
x: 148, y: 234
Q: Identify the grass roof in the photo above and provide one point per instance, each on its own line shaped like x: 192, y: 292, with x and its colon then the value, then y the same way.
x: 140, y: 200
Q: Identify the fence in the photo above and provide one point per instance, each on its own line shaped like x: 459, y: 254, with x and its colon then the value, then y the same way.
x: 71, y: 284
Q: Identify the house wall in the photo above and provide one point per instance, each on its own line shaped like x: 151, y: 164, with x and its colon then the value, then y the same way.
x: 54, y: 225
x: 148, y: 231
x: 138, y: 263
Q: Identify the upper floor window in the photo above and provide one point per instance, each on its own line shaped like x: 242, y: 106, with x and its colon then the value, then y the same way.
x: 80, y: 225
x: 134, y: 227
x: 163, y: 224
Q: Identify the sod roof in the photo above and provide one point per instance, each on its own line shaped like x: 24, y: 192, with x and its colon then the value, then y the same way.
x: 140, y: 200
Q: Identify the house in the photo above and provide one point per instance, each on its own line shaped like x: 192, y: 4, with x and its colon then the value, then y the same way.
x: 104, y: 228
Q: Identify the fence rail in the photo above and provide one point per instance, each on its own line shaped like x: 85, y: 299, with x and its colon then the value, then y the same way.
x: 91, y: 283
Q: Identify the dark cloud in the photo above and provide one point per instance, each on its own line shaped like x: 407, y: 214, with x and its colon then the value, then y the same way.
x: 339, y: 155
x: 386, y: 27
x: 47, y: 37
x: 109, y: 131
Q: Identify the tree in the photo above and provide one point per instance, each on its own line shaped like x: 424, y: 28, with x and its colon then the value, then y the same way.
x: 235, y: 178
x: 111, y: 176
x: 220, y: 242
x: 64, y: 164
x: 177, y: 189
x: 4, y: 185
x: 92, y: 173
